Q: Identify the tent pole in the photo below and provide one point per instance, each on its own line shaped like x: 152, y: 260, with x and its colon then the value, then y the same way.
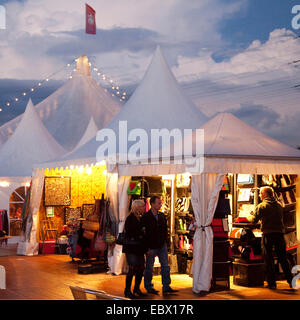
x: 172, y: 218
x: 255, y: 190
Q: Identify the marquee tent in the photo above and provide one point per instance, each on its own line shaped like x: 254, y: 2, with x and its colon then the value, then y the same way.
x: 30, y: 142
x: 66, y: 113
x: 157, y: 103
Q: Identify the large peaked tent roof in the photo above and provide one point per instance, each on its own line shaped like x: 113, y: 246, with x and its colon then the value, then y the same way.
x: 225, y: 134
x: 231, y: 145
x: 67, y: 112
x: 30, y: 143
x: 157, y: 103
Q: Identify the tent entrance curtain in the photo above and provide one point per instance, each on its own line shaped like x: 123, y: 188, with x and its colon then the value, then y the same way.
x: 30, y: 245
x: 204, y: 196
x: 117, y: 192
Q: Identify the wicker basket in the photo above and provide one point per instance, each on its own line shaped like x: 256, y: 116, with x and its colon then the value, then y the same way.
x: 90, y: 225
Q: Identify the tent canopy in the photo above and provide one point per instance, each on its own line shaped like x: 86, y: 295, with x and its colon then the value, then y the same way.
x: 157, y: 103
x: 31, y: 142
x: 67, y: 112
x: 89, y: 133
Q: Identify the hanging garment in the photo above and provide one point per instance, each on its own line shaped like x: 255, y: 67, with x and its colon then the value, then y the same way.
x: 5, y: 226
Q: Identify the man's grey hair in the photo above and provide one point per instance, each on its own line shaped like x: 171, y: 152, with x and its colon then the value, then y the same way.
x: 268, y: 191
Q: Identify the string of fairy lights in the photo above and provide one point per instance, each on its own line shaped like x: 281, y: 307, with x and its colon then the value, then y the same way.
x: 116, y: 90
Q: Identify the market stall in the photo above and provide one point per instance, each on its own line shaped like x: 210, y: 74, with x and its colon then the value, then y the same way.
x: 230, y: 148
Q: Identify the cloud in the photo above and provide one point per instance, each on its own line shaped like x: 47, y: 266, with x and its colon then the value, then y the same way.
x: 266, y: 120
x: 258, y: 116
x: 46, y: 33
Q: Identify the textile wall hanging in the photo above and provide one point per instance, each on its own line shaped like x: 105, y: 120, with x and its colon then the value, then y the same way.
x: 87, y: 184
x: 72, y: 214
x: 87, y: 209
x: 57, y: 191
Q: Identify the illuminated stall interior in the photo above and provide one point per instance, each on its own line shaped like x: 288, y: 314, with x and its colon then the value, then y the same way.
x: 234, y: 254
x: 69, y: 195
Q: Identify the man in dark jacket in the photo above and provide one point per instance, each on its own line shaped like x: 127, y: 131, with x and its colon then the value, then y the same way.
x: 156, y: 238
x: 270, y: 213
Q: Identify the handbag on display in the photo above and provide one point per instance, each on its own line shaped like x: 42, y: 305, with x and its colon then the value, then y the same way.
x: 226, y: 186
x: 88, y: 234
x: 109, y: 236
x: 90, y: 225
x: 100, y: 243
x: 135, y: 188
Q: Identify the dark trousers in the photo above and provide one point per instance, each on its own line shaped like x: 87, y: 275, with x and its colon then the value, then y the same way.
x: 277, y: 241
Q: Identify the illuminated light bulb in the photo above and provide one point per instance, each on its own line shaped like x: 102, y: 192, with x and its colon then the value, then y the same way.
x: 95, y: 69
x: 80, y: 169
x: 24, y: 93
x: 89, y: 170
x: 39, y: 84
x: 16, y: 99
x: 4, y: 184
x: 47, y: 79
x: 118, y: 92
x: 112, y: 95
x: 74, y: 70
x: 0, y: 109
x: 90, y: 64
x: 117, y: 88
x: 99, y: 73
x: 8, y: 104
x: 113, y: 88
x: 124, y: 93
x: 111, y: 81
x: 32, y: 89
x: 123, y: 98
x: 70, y: 77
x: 68, y: 65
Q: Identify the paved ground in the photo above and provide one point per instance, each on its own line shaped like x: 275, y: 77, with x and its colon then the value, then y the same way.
x: 49, y: 276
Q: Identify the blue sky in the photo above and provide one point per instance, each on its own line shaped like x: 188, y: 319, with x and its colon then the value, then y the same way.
x: 228, y: 55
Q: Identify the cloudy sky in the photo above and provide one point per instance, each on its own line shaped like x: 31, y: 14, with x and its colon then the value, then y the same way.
x: 229, y: 55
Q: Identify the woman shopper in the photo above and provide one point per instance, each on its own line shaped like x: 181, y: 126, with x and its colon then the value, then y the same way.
x: 134, y: 248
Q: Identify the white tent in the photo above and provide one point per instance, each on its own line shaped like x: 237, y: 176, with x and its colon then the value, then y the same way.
x: 67, y: 112
x: 31, y: 142
x: 230, y: 146
x: 157, y: 103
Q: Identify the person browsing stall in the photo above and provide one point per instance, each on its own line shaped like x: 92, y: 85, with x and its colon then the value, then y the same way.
x: 270, y: 213
x: 135, y: 249
x: 156, y: 238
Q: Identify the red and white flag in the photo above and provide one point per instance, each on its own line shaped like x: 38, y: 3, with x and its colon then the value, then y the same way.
x: 90, y: 20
